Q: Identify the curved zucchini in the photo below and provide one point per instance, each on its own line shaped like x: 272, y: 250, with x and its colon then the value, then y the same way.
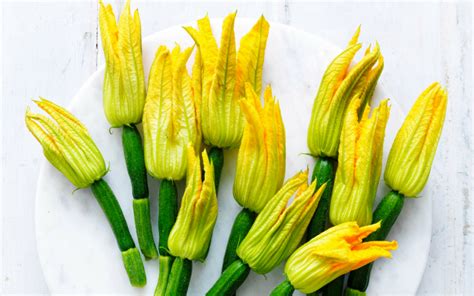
x: 387, y: 211
x: 324, y: 171
x: 242, y: 224
x: 230, y: 280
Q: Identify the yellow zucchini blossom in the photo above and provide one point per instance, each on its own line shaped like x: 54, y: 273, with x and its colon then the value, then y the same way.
x: 124, y: 80
x: 410, y: 159
x: 169, y: 119
x: 192, y: 232
x: 220, y: 74
x: 66, y: 144
x: 360, y: 164
x: 338, y: 86
x: 279, y: 228
x: 333, y: 253
x: 261, y: 161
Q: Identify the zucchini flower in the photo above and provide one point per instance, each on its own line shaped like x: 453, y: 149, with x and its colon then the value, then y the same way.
x: 338, y: 85
x: 360, y: 164
x: 220, y: 74
x: 261, y: 160
x: 169, y: 119
x: 410, y: 159
x: 279, y: 228
x: 66, y: 144
x: 69, y: 147
x: 192, y: 232
x: 124, y: 81
x: 333, y: 253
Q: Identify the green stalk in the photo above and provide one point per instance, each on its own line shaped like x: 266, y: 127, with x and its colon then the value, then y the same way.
x: 179, y: 277
x: 131, y: 257
x: 324, y: 171
x: 135, y: 161
x: 230, y: 280
x: 216, y: 157
x: 285, y: 288
x: 387, y: 211
x: 167, y: 213
x: 242, y: 224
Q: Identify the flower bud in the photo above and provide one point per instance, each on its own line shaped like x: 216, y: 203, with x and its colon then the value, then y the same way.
x: 333, y: 253
x: 278, y: 229
x: 410, y: 159
x: 338, y: 85
x: 66, y: 144
x: 220, y: 74
x: 124, y: 81
x: 360, y: 164
x: 169, y: 119
x: 192, y: 232
x: 261, y: 160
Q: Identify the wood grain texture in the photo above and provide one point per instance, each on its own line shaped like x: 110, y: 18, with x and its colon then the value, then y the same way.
x: 51, y: 48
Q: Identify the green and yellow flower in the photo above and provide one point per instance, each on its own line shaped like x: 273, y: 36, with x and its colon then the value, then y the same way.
x: 410, y: 159
x: 261, y: 161
x: 124, y: 80
x: 192, y: 232
x: 333, y: 253
x: 279, y: 228
x: 338, y: 85
x: 169, y: 120
x: 220, y: 74
x: 66, y: 144
x: 360, y: 164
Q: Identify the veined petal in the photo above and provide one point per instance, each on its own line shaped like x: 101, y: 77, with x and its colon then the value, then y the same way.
x: 192, y: 232
x: 66, y: 144
x: 169, y: 121
x: 337, y: 87
x: 360, y: 163
x: 278, y: 229
x: 261, y: 160
x: 410, y: 159
x: 333, y: 253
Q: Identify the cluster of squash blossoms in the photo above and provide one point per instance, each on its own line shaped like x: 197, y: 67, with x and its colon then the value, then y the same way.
x: 324, y: 228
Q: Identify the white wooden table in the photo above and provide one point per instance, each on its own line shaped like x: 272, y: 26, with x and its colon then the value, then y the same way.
x: 51, y: 48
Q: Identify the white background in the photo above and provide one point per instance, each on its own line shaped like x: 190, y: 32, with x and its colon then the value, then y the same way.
x: 51, y: 48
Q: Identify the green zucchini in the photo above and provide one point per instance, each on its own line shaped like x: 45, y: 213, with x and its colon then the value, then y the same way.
x: 131, y: 257
x: 334, y: 288
x: 141, y: 213
x: 135, y: 161
x: 352, y: 292
x: 230, y: 280
x: 167, y: 213
x: 216, y: 157
x: 285, y: 288
x: 387, y: 211
x: 179, y: 277
x: 242, y: 224
x: 324, y: 171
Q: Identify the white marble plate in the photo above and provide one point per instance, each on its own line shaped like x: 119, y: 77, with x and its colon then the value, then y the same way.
x: 77, y: 249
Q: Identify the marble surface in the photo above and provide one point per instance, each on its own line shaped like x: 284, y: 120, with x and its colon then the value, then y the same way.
x: 50, y: 48
x: 72, y: 223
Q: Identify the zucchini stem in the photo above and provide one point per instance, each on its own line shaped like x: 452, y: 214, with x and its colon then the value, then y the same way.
x: 285, y: 288
x: 166, y: 263
x: 387, y: 211
x: 135, y: 161
x: 242, y: 224
x: 230, y: 280
x: 131, y: 257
